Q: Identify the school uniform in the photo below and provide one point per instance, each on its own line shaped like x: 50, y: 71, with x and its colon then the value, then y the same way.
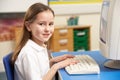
x: 32, y: 62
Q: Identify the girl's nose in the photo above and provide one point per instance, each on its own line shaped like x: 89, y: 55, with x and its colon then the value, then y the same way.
x: 47, y: 28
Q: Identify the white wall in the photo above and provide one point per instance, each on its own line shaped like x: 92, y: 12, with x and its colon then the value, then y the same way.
x: 17, y: 5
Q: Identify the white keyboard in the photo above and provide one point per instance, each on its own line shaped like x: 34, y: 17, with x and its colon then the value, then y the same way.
x: 86, y: 65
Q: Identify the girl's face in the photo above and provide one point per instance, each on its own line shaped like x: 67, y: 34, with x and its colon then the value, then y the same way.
x: 42, y: 27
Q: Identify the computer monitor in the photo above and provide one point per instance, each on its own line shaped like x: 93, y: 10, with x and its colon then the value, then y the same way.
x: 110, y: 32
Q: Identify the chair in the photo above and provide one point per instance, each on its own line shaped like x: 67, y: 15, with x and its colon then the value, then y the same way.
x: 8, y: 67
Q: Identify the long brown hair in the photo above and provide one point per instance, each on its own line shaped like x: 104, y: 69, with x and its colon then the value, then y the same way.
x: 30, y: 16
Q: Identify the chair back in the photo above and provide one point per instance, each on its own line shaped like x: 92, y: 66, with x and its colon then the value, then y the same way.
x: 8, y: 67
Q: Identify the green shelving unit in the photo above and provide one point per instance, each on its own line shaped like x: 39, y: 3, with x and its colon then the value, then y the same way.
x: 81, y: 39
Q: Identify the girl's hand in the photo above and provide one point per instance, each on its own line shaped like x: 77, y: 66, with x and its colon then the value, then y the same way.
x: 61, y: 58
x: 65, y: 63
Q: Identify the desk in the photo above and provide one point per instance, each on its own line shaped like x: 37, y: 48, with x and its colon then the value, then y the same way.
x: 105, y: 73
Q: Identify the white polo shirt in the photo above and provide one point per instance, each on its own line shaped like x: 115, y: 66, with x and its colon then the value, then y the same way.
x: 32, y: 62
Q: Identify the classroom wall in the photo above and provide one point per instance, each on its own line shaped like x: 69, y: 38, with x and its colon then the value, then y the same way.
x: 17, y: 5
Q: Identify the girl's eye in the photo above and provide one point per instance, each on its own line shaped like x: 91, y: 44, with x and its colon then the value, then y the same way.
x: 51, y: 24
x: 41, y: 24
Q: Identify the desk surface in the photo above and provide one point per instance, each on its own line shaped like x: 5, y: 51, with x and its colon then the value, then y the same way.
x: 105, y: 73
